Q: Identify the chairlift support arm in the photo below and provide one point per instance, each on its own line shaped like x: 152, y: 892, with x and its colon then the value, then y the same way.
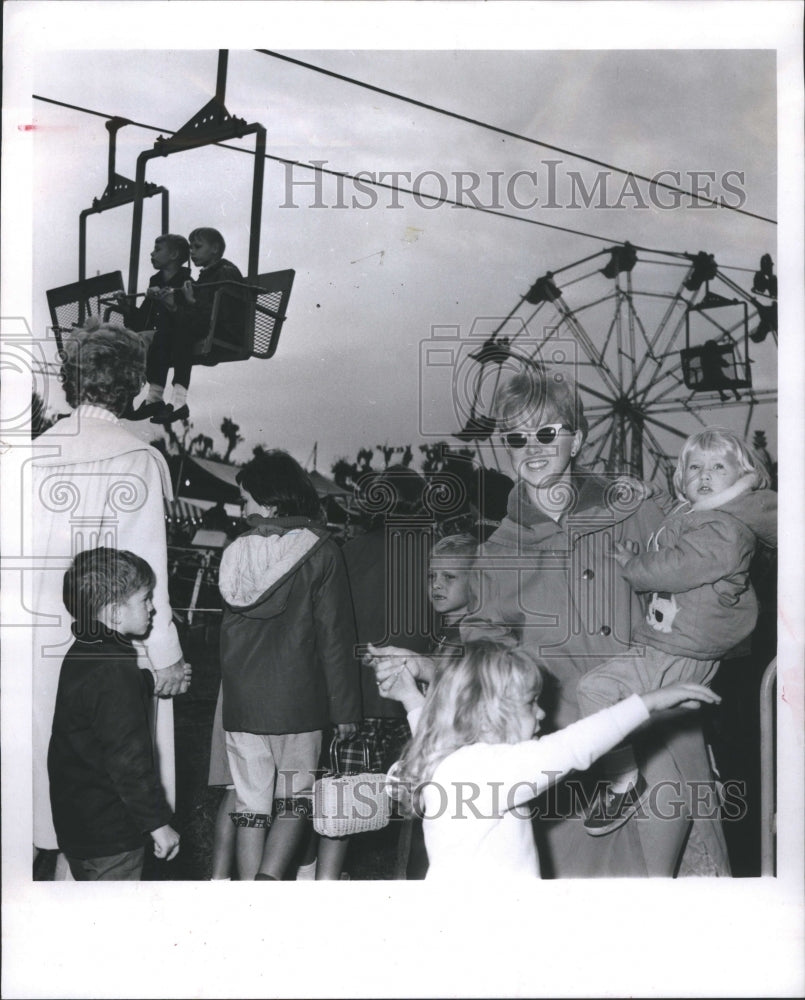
x: 211, y: 125
x: 119, y: 191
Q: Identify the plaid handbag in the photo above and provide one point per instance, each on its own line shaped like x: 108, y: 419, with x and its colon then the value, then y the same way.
x: 350, y: 797
x: 361, y: 752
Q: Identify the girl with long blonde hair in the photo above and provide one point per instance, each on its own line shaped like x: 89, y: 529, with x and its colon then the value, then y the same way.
x: 474, y: 762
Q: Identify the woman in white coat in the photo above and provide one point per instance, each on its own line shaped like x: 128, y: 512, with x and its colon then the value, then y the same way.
x: 94, y: 483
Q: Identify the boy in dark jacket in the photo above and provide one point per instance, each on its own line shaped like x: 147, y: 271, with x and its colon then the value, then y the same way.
x: 167, y: 314
x: 104, y: 789
x: 217, y: 274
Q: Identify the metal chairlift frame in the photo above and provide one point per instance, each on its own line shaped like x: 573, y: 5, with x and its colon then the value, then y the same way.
x: 71, y: 305
x: 119, y: 191
x: 264, y: 296
x: 211, y: 125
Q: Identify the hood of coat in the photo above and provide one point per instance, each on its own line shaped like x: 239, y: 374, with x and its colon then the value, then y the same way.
x: 757, y: 509
x: 256, y: 565
x: 583, y: 494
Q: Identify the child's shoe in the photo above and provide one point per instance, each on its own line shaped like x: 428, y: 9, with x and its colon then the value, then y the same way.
x: 610, y: 810
x: 145, y: 410
x: 169, y: 415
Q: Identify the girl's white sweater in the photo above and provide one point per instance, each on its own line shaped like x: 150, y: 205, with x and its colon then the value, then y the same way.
x: 473, y: 826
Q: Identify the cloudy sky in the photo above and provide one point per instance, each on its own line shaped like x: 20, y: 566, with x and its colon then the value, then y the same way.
x: 378, y: 275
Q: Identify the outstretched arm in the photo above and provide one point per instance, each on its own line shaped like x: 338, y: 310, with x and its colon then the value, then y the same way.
x: 534, y: 765
x: 679, y: 696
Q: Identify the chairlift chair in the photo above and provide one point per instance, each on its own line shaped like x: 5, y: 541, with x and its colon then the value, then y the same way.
x: 71, y: 305
x: 246, y: 317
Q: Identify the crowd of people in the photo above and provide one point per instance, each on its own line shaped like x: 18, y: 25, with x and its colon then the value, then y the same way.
x: 490, y: 673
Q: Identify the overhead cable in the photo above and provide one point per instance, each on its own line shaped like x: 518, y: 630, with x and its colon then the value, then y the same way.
x: 317, y: 168
x: 512, y: 135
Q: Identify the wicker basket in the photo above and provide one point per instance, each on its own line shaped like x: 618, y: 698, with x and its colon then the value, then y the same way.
x: 345, y: 803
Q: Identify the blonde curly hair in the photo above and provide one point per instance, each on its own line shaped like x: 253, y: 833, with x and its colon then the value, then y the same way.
x: 102, y: 364
x: 472, y: 701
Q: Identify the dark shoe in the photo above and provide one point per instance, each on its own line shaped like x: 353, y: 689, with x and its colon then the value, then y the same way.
x: 145, y: 410
x: 610, y: 810
x: 169, y: 415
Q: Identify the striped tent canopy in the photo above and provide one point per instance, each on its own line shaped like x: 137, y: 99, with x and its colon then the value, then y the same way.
x: 182, y: 512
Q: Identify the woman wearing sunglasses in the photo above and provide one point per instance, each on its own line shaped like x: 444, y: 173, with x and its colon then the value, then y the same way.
x: 549, y: 583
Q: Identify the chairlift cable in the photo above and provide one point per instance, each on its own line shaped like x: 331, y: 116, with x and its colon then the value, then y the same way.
x: 347, y: 176
x: 512, y: 135
x: 391, y: 187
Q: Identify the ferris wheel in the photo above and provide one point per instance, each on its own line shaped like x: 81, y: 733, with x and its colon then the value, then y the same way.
x: 654, y: 338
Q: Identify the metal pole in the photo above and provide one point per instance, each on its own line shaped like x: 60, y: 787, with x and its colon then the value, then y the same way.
x: 137, y: 221
x: 220, y: 83
x: 257, y: 202
x: 111, y: 127
x: 768, y: 815
x: 82, y: 247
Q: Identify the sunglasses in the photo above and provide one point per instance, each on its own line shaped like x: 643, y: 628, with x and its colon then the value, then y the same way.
x: 545, y: 435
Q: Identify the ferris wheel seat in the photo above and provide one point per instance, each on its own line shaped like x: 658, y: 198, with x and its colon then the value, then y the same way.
x: 712, y: 367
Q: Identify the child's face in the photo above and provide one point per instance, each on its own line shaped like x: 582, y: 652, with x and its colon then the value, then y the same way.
x: 133, y: 616
x: 202, y: 252
x: 529, y: 716
x: 708, y: 473
x: 449, y: 587
x: 162, y: 256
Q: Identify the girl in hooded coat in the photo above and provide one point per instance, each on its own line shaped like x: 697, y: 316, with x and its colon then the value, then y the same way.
x: 287, y: 660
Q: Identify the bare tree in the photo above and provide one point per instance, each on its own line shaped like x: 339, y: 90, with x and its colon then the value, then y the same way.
x: 365, y: 460
x: 201, y: 445
x: 231, y: 431
x: 345, y: 473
